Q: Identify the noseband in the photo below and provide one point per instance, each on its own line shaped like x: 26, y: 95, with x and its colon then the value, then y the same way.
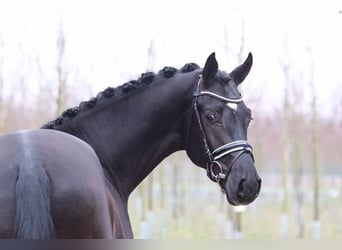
x: 215, y: 171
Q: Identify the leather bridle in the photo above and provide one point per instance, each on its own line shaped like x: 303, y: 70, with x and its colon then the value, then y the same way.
x: 215, y: 171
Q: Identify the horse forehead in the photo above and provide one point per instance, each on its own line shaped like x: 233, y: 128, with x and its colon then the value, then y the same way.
x: 227, y: 88
x: 232, y: 87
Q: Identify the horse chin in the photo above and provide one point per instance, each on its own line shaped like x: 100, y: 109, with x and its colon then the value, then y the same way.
x: 231, y: 200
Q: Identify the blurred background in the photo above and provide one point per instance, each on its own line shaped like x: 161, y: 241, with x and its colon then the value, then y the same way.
x: 55, y: 54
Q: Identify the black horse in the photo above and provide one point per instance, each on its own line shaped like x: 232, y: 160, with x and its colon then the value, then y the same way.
x: 73, y: 177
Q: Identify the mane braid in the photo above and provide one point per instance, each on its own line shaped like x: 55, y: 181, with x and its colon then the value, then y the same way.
x: 111, y: 93
x: 189, y: 67
x: 168, y: 72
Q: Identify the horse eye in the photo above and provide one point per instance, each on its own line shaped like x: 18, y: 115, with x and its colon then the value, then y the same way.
x: 210, y: 117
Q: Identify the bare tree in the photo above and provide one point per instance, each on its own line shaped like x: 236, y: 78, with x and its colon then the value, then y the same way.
x: 1, y: 85
x: 61, y: 70
x: 14, y: 99
x: 285, y: 163
x: 297, y: 132
x: 314, y: 150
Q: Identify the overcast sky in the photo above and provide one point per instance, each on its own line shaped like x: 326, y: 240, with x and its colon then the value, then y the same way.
x: 107, y: 41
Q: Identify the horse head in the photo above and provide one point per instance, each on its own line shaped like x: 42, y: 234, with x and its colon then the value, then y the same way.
x: 218, y: 140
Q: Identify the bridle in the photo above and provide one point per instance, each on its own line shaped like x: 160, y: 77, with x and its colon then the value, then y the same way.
x: 215, y: 171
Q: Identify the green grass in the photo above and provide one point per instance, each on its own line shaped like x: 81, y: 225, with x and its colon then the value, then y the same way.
x: 200, y: 206
x: 260, y: 221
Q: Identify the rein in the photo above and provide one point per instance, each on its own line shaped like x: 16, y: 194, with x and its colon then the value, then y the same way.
x: 214, y: 169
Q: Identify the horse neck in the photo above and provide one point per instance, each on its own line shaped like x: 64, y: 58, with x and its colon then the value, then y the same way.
x: 132, y: 136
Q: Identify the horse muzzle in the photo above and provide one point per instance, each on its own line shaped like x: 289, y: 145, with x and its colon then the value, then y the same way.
x: 242, y: 185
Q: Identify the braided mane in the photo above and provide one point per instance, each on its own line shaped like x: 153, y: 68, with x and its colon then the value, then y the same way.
x: 110, y: 93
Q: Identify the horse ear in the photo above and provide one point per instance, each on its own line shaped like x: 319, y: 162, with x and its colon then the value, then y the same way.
x: 239, y: 74
x: 210, y: 69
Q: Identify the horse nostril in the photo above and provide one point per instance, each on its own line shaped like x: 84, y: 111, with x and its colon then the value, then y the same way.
x: 241, y: 190
x: 259, y: 180
x: 248, y: 190
x: 259, y: 183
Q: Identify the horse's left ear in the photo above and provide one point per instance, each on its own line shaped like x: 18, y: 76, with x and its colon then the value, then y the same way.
x: 239, y: 74
x: 210, y: 69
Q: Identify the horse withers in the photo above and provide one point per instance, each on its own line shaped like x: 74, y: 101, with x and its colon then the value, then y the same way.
x: 73, y: 177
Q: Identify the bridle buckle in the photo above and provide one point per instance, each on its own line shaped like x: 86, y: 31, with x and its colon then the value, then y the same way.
x: 216, y: 171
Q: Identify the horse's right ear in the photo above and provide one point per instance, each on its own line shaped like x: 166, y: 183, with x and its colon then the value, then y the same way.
x: 210, y: 69
x: 239, y: 74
